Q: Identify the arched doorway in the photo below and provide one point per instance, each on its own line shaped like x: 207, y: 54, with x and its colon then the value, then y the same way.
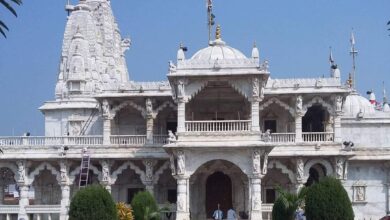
x: 218, y: 191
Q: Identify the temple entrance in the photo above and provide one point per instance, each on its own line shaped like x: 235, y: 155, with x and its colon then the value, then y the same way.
x: 218, y: 191
x: 218, y: 181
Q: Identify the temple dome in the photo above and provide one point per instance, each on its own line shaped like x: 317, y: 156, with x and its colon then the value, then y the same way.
x: 357, y: 106
x: 218, y: 50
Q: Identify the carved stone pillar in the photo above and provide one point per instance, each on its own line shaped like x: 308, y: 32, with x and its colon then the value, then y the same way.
x: 65, y: 189
x: 298, y: 118
x: 255, y: 115
x: 106, y: 175
x: 255, y: 198
x: 300, y: 174
x: 149, y: 121
x: 23, y: 184
x: 337, y: 128
x: 106, y: 130
x: 149, y: 176
x: 181, y: 113
x: 183, y: 209
x: 65, y: 201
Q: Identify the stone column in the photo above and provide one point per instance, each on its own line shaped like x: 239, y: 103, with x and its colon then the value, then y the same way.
x: 255, y: 202
x: 106, y: 130
x: 65, y: 201
x: 255, y: 115
x: 337, y: 128
x: 298, y: 118
x: 23, y: 184
x: 300, y: 174
x: 149, y: 121
x: 106, y: 175
x: 183, y: 209
x: 181, y: 113
x: 148, y: 181
x: 64, y: 182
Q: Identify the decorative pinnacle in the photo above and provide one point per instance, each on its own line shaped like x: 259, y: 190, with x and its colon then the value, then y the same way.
x: 350, y: 80
x: 218, y: 32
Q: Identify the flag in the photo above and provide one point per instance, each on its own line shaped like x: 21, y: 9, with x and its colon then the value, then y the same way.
x: 331, y: 60
x: 209, y: 5
x: 352, y: 39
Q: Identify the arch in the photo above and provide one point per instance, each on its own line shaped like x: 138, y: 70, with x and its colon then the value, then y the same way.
x: 139, y: 108
x: 95, y: 170
x: 165, y: 105
x: 275, y: 100
x: 43, y: 166
x: 238, y: 87
x: 12, y: 167
x: 194, y: 88
x: 318, y: 100
x: 157, y: 174
x: 117, y: 172
x: 323, y: 162
x: 278, y: 165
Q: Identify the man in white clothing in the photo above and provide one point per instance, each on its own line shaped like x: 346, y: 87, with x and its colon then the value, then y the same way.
x: 231, y: 214
x: 218, y: 214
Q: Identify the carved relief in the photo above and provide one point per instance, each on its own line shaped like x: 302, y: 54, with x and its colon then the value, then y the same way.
x: 339, y: 103
x: 106, y: 108
x: 172, y: 164
x: 359, y: 192
x: 105, y: 171
x: 21, y: 171
x: 300, y: 169
x: 149, y: 107
x: 180, y: 89
x: 149, y: 164
x: 256, y: 160
x: 299, y: 104
x: 256, y: 202
x: 255, y: 87
x: 180, y: 162
x: 340, y: 168
x: 265, y: 164
x: 181, y: 204
x: 63, y: 172
x: 171, y: 137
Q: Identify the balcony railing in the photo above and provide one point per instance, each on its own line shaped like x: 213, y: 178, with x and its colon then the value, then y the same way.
x: 318, y: 136
x: 217, y: 126
x: 50, y: 141
x: 128, y: 139
x: 282, y: 137
x: 160, y: 139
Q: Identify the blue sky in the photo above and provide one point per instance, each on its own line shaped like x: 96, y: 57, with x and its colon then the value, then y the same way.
x: 293, y: 35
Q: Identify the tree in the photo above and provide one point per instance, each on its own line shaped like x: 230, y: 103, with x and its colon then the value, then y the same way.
x: 145, y: 207
x: 9, y: 7
x: 91, y: 203
x: 328, y: 200
x: 287, y: 204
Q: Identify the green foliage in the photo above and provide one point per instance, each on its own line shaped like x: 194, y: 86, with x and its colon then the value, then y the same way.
x: 145, y: 206
x: 125, y: 212
x: 328, y: 200
x: 287, y: 203
x: 91, y: 203
x: 9, y: 7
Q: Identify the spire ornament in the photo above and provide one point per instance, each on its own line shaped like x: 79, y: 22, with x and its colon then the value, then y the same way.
x: 218, y: 32
x: 353, y: 53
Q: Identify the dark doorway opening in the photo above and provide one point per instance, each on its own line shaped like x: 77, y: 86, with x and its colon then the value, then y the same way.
x: 270, y: 125
x: 131, y: 193
x: 314, y: 119
x: 218, y: 191
x: 172, y: 126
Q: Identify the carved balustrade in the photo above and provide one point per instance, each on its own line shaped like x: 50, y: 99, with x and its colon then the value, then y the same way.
x: 216, y: 126
x: 282, y: 137
x: 318, y: 136
x: 128, y: 139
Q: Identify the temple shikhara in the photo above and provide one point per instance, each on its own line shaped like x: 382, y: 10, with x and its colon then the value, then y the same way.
x: 219, y: 130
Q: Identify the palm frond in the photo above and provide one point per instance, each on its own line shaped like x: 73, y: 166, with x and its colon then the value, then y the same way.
x: 388, y: 23
x: 9, y: 7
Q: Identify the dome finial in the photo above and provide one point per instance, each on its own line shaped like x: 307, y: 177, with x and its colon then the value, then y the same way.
x: 218, y: 32
x: 350, y: 81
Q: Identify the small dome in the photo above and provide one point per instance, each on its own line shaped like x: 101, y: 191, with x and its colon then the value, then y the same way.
x: 218, y: 50
x: 357, y: 106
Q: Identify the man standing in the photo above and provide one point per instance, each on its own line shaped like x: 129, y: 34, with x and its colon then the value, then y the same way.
x: 231, y: 214
x: 218, y: 214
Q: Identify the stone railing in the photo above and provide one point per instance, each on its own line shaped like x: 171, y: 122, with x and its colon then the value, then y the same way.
x: 128, y: 139
x: 266, y: 209
x: 216, y: 126
x: 9, y: 211
x: 44, y: 211
x: 50, y: 141
x: 282, y: 137
x: 160, y: 139
x: 318, y: 136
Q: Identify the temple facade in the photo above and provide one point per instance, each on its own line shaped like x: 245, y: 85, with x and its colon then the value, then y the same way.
x: 220, y: 130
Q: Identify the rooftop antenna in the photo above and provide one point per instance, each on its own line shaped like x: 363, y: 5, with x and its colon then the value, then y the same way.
x: 353, y: 53
x: 210, y: 17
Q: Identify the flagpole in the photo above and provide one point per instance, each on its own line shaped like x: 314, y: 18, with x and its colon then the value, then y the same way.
x: 354, y: 53
x: 209, y: 12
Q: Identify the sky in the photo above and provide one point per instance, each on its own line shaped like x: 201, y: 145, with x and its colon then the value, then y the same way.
x: 294, y: 36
